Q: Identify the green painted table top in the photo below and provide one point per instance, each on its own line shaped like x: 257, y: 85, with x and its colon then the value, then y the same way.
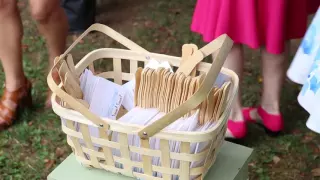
x: 231, y: 161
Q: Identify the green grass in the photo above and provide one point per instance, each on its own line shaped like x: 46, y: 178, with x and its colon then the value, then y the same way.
x: 36, y: 144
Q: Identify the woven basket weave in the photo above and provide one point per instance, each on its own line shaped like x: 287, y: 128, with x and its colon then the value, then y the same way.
x: 103, y: 158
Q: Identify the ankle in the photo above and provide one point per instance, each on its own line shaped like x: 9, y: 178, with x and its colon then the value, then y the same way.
x: 273, y: 108
x: 236, y: 116
x: 14, y: 84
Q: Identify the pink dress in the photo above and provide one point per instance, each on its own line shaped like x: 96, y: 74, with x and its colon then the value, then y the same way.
x: 254, y: 23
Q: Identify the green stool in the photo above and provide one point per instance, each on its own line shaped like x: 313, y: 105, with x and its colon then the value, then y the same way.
x: 231, y: 164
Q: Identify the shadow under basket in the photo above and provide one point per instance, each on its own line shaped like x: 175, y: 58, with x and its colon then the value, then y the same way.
x: 77, y: 118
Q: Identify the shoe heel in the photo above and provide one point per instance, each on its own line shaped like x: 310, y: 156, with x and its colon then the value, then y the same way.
x: 272, y: 133
x: 273, y: 124
x: 236, y: 141
x: 27, y: 100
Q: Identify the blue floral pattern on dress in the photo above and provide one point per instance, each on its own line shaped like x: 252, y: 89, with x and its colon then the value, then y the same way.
x: 314, y: 84
x: 305, y: 88
x: 313, y: 81
x: 308, y: 40
x: 309, y: 45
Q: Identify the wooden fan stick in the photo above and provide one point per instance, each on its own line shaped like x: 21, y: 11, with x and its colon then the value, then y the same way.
x: 157, y: 88
x: 187, y: 52
x: 71, y: 84
x: 223, y: 102
x: 198, y: 55
x: 71, y: 65
x: 137, y: 86
x: 166, y: 91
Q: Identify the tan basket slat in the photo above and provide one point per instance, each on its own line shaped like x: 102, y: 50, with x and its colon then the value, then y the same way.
x: 125, y: 153
x: 146, y: 160
x: 71, y: 65
x: 75, y: 141
x: 87, y: 138
x: 215, y: 143
x: 147, y: 177
x: 185, y: 165
x: 133, y: 66
x: 91, y: 68
x: 193, y: 172
x: 100, y: 141
x: 106, y: 150
x: 109, y: 32
x: 117, y: 71
x: 111, y: 75
x: 132, y: 56
x: 193, y: 137
x: 165, y: 157
x: 134, y: 149
x: 102, y: 166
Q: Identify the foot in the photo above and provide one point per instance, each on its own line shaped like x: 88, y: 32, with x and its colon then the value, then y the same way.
x: 236, y: 129
x: 12, y: 101
x: 271, y: 121
x: 250, y: 114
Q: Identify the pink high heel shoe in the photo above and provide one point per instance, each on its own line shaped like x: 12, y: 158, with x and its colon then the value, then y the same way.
x: 273, y: 124
x: 246, y: 114
x: 236, y: 129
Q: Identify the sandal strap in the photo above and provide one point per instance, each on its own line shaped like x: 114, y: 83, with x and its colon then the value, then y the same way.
x: 10, y: 101
x: 6, y: 114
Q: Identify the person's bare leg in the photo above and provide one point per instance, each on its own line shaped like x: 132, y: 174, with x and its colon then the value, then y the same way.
x: 10, y: 44
x: 236, y: 125
x: 52, y: 23
x: 235, y: 62
x: 273, y: 68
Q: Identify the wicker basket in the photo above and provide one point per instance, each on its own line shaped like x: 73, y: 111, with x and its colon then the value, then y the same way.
x: 103, y: 158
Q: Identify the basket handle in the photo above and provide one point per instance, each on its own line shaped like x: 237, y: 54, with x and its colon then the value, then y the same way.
x: 197, y: 56
x: 223, y: 49
x: 71, y: 101
x: 109, y: 32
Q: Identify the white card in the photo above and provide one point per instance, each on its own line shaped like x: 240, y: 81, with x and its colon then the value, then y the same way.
x: 107, y: 98
x: 154, y: 64
x: 128, y: 101
x: 137, y: 116
x: 103, y: 96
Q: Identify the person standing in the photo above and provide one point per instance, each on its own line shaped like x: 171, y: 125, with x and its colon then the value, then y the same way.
x: 265, y: 24
x: 80, y: 13
x: 52, y: 24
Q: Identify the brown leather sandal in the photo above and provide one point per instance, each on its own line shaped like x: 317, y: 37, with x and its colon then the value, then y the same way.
x: 12, y: 101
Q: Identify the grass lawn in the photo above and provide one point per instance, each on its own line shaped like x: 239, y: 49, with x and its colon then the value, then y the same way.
x: 35, y: 144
